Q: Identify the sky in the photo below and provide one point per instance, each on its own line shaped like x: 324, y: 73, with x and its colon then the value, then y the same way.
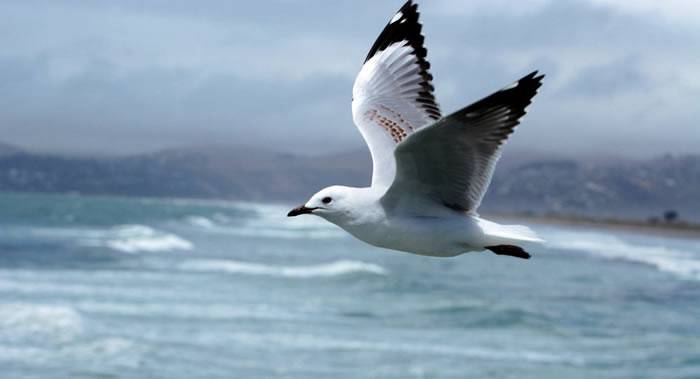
x: 104, y: 77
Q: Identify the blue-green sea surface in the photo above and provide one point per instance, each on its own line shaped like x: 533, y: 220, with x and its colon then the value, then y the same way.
x: 129, y: 288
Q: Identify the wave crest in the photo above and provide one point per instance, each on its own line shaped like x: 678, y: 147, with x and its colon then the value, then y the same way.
x: 267, y: 222
x: 337, y: 268
x: 140, y: 238
x: 677, y: 262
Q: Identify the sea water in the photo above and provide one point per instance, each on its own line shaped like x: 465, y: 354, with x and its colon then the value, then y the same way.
x: 96, y: 287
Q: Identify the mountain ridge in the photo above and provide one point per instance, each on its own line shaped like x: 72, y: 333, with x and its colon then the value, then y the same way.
x: 528, y: 182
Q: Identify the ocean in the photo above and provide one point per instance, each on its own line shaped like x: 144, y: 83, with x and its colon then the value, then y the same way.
x: 100, y: 287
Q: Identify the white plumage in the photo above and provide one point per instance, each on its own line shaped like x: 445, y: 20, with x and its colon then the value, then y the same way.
x: 430, y: 172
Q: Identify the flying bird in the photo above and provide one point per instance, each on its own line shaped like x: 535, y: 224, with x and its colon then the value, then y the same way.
x: 429, y: 172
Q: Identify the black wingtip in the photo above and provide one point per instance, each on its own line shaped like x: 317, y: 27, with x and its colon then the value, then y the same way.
x: 523, y: 90
x: 405, y: 27
x: 532, y: 78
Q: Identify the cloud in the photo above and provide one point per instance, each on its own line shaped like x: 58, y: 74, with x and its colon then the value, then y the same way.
x: 130, y: 76
x: 609, y: 79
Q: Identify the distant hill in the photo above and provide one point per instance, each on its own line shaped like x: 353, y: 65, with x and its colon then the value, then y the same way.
x: 631, y: 189
x: 7, y: 149
x: 213, y: 172
x: 524, y: 182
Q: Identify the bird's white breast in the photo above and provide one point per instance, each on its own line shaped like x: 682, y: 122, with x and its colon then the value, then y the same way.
x: 432, y: 236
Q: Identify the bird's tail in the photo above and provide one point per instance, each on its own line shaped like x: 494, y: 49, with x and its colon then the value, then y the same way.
x: 518, y: 233
x: 504, y: 239
x: 508, y: 234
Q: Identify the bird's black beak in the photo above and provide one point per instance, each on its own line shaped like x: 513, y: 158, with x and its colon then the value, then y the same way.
x: 300, y: 211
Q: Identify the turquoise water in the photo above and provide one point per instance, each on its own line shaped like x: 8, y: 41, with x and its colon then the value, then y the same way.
x: 130, y: 288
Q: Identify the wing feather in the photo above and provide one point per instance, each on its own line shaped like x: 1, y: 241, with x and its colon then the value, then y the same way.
x: 452, y: 161
x: 393, y: 95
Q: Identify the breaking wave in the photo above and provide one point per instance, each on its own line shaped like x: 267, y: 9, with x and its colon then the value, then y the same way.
x: 186, y: 311
x: 38, y: 323
x: 337, y: 268
x: 267, y: 221
x: 201, y: 222
x: 139, y: 238
x: 123, y: 238
x: 680, y: 263
x: 263, y: 231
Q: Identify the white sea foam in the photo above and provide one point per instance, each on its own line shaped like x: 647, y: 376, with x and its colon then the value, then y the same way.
x: 139, y: 238
x: 169, y: 310
x: 123, y: 238
x: 678, y: 262
x: 270, y: 227
x: 260, y: 208
x: 133, y: 285
x: 331, y: 269
x: 39, y: 323
x: 267, y: 231
x: 201, y: 222
x: 269, y: 221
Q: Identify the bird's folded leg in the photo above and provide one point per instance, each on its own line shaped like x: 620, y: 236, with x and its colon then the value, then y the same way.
x: 513, y: 251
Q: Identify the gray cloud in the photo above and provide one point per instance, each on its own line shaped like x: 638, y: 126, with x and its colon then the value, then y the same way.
x: 130, y: 76
x: 622, y: 76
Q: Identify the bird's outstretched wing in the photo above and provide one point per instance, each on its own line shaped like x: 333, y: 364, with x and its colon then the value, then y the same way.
x: 451, y: 162
x: 393, y: 94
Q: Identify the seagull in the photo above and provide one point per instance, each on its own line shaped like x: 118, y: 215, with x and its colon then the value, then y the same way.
x: 429, y: 172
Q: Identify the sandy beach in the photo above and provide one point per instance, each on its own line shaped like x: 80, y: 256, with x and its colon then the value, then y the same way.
x: 676, y: 229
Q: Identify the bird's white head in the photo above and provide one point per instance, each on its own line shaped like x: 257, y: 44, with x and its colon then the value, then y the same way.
x: 334, y: 204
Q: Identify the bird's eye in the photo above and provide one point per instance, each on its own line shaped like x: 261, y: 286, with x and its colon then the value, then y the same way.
x: 326, y: 200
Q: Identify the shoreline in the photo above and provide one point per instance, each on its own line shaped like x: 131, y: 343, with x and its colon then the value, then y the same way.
x: 675, y: 229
